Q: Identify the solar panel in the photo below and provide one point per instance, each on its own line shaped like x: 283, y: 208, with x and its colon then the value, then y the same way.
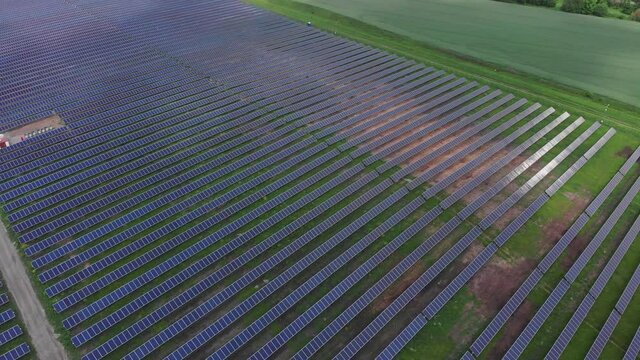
x: 477, y: 180
x: 630, y: 161
x: 400, y: 341
x: 296, y: 295
x: 7, y: 316
x: 10, y: 334
x: 538, y: 320
x: 466, y: 120
x: 634, y: 347
x: 628, y: 292
x: 179, y: 301
x: 16, y: 353
x: 487, y: 153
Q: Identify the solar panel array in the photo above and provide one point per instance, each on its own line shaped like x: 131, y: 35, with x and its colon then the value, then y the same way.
x: 479, y: 261
x: 12, y: 341
x: 227, y: 178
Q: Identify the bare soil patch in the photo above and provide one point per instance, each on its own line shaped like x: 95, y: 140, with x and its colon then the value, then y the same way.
x: 626, y: 152
x: 554, y: 229
x: 495, y: 283
x: 512, y: 329
x: 388, y: 297
x: 17, y: 135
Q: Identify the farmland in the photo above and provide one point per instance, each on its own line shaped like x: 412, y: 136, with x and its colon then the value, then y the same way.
x: 229, y: 183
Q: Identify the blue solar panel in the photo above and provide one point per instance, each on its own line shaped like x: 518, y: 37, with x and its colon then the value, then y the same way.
x: 10, y: 334
x: 16, y: 353
x: 7, y: 316
x: 485, y: 155
x: 92, y: 309
x: 176, y: 302
x: 185, y: 150
x: 634, y: 347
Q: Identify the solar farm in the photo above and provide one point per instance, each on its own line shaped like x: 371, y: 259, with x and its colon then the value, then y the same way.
x: 207, y: 179
x: 12, y: 339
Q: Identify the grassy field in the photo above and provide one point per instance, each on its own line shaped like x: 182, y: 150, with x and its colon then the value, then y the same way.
x: 595, y: 54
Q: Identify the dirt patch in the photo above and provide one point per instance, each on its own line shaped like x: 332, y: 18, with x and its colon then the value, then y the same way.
x: 626, y: 152
x: 496, y: 282
x: 554, y: 229
x: 389, y: 296
x: 33, y: 129
x: 512, y: 329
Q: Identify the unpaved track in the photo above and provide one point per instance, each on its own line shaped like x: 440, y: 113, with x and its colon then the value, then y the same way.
x: 19, y: 285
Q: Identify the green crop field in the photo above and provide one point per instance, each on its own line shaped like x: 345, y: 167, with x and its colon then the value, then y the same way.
x: 598, y: 55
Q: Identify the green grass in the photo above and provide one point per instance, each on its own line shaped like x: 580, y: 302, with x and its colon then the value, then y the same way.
x: 534, y: 87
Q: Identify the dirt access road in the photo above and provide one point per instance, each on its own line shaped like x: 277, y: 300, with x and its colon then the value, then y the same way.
x: 19, y: 285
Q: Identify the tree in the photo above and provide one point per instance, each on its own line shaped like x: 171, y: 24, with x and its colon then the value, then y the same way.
x: 588, y: 6
x: 601, y: 10
x: 572, y: 6
x: 627, y: 7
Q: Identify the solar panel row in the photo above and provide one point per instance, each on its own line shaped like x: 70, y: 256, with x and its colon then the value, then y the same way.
x: 521, y: 293
x: 10, y: 332
x: 431, y: 95
x: 479, y: 261
x: 296, y: 295
x: 179, y: 301
x: 7, y: 316
x: 426, y: 118
x: 16, y: 353
x: 446, y: 133
x: 215, y: 301
x: 543, y: 313
x: 634, y: 347
x: 68, y: 205
x: 401, y: 301
x: 473, y: 147
x: 212, y: 258
x: 157, y: 271
x: 629, y: 292
x: 420, y: 86
x: 301, y: 82
x: 236, y: 105
x: 512, y: 175
x: 357, y: 306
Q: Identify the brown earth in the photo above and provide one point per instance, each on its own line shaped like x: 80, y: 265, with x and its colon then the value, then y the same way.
x: 494, y: 284
x: 16, y: 135
x: 626, y: 152
x: 512, y: 329
x: 388, y: 297
x: 554, y: 229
